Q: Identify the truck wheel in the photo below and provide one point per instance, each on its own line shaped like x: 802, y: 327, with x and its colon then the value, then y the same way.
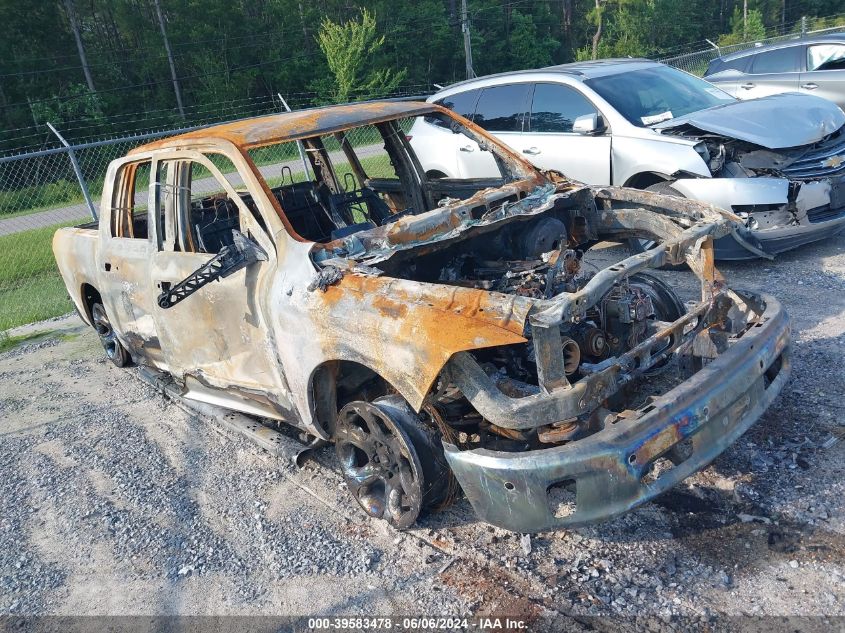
x: 115, y: 351
x: 388, y: 460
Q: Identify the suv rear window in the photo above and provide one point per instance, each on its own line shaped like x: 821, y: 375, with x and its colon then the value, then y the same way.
x: 463, y: 102
x: 501, y: 108
x: 781, y: 60
x: 721, y: 65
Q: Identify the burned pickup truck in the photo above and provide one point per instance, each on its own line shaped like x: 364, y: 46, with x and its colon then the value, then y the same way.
x: 441, y: 333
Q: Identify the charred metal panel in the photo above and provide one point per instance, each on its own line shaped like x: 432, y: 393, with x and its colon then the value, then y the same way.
x: 710, y: 411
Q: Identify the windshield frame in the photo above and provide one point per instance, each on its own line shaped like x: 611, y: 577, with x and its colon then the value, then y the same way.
x: 615, y: 88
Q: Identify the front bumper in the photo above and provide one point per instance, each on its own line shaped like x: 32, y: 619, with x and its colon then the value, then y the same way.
x: 779, y: 232
x: 780, y: 240
x: 609, y: 470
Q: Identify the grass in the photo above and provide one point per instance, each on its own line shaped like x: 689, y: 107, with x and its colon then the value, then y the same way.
x: 8, y: 342
x: 374, y: 167
x: 31, y: 288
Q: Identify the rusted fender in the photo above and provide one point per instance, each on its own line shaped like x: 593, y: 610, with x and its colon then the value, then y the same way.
x: 405, y: 331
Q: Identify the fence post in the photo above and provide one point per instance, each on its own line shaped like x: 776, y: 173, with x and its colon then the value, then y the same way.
x: 82, y: 184
x: 298, y: 143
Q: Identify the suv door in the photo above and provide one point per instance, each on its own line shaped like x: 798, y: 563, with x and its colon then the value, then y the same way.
x: 218, y: 337
x: 550, y: 142
x: 434, y: 143
x: 772, y: 72
x: 825, y: 74
x: 500, y: 110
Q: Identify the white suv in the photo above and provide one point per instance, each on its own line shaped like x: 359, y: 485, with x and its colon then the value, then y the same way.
x: 776, y: 162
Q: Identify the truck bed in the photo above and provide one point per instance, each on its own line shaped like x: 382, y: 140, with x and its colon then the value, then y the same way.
x: 75, y: 249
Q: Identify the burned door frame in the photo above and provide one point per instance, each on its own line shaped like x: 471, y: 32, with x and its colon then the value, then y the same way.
x: 233, y: 360
x: 124, y: 263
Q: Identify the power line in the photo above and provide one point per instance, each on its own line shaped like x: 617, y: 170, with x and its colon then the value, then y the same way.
x: 222, y: 110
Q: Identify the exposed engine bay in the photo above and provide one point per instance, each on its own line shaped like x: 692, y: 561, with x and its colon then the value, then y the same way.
x: 535, y: 260
x: 733, y: 158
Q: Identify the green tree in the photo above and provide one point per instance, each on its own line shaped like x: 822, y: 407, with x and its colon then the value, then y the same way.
x: 78, y: 102
x: 529, y: 47
x: 348, y: 48
x: 743, y: 30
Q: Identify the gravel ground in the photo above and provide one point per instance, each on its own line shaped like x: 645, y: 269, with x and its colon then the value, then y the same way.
x: 115, y: 501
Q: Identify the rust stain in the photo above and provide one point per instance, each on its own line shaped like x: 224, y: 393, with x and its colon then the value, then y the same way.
x: 290, y: 126
x: 390, y: 308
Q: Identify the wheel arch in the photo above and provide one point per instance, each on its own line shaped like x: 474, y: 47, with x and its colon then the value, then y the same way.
x: 89, y: 296
x: 334, y: 383
x: 645, y: 179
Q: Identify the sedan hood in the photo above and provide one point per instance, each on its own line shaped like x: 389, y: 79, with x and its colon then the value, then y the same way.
x: 784, y: 120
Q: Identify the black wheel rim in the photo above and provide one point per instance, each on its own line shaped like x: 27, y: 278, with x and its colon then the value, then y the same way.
x: 105, y: 331
x: 379, y: 464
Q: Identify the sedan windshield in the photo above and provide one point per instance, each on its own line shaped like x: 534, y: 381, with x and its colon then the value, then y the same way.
x: 656, y: 94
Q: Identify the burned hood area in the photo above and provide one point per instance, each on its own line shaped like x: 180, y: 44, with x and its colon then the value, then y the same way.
x: 607, y: 354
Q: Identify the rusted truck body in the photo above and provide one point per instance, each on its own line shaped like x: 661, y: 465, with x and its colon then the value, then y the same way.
x: 442, y: 333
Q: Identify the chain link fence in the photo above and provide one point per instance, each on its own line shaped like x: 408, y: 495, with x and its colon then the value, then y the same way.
x: 696, y: 62
x: 40, y: 192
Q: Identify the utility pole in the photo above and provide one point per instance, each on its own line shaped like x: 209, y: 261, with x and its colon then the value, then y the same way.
x: 170, y: 60
x: 83, y: 59
x: 744, y: 20
x: 305, y: 39
x: 467, y: 40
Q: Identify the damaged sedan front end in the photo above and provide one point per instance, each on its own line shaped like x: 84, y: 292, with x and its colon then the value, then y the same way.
x: 777, y: 162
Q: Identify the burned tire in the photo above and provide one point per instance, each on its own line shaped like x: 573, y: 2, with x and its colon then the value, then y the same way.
x: 114, y: 349
x: 389, y: 460
x: 427, y: 442
x: 640, y: 245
